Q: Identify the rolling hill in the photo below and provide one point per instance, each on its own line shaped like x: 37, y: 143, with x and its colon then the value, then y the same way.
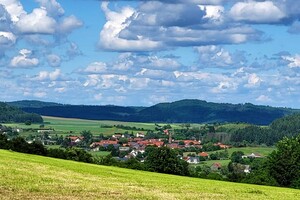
x: 25, y: 176
x: 184, y: 111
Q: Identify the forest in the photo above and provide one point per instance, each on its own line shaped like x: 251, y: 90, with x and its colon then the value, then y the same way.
x: 14, y: 114
x: 183, y: 111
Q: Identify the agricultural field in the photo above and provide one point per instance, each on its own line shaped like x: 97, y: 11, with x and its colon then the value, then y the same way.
x: 263, y: 151
x: 211, y: 162
x: 67, y: 125
x: 25, y: 176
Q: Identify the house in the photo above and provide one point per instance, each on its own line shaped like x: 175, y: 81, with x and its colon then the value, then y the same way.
x: 117, y: 135
x: 140, y: 135
x: 96, y: 148
x: 252, y: 155
x: 76, y: 139
x: 124, y: 148
x: 135, y: 152
x: 192, y: 159
x: 187, y: 154
x: 188, y: 143
x: 151, y: 142
x: 216, y: 166
x: 133, y: 145
x: 45, y: 130
x: 173, y: 146
x: 222, y: 146
x: 247, y: 169
x: 105, y: 143
x: 137, y: 139
x: 203, y: 154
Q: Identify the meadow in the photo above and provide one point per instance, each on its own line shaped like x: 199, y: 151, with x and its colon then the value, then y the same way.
x: 25, y: 176
x: 75, y: 126
x: 263, y: 151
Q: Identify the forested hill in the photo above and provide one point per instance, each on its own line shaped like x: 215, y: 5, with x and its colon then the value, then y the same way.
x: 32, y: 104
x: 184, y: 111
x: 13, y: 114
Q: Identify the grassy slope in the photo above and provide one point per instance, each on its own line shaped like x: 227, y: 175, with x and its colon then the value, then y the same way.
x: 33, y: 177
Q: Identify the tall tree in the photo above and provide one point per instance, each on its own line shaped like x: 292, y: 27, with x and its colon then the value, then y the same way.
x: 284, y: 163
x: 165, y: 160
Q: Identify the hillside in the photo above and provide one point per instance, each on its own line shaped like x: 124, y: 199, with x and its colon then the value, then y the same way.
x: 26, y: 176
x: 13, y: 114
x: 184, y: 111
x: 32, y: 104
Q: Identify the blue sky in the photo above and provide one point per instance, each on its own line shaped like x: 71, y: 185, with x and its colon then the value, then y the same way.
x: 147, y: 52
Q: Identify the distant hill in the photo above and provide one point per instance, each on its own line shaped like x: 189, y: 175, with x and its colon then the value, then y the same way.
x: 32, y: 104
x: 13, y: 114
x: 184, y: 111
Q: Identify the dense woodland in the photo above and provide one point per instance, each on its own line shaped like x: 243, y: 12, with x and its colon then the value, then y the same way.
x: 184, y: 111
x: 14, y: 114
x: 287, y: 126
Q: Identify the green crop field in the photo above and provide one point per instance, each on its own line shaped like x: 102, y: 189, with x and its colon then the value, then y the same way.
x: 25, y: 176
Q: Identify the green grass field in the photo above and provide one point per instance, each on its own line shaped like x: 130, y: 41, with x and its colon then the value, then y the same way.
x: 63, y: 126
x: 99, y: 153
x: 264, y: 151
x: 211, y: 162
x: 26, y: 176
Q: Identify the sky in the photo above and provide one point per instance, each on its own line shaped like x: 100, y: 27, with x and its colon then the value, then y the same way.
x: 139, y: 53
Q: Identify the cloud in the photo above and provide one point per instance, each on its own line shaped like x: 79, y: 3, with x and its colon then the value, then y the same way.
x: 116, y: 22
x: 156, y: 74
x: 44, y: 26
x: 48, y: 76
x: 96, y: 68
x: 293, y: 61
x: 24, y: 60
x: 295, y: 28
x: 7, y: 39
x: 211, y: 56
x: 14, y: 8
x: 263, y: 98
x: 256, y: 12
x: 69, y: 24
x: 54, y: 60
x: 36, y: 22
x: 53, y: 8
x: 156, y: 25
x: 253, y: 81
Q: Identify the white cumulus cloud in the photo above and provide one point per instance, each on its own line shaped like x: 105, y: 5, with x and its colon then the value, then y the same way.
x: 24, y: 60
x: 257, y: 12
x: 36, y: 22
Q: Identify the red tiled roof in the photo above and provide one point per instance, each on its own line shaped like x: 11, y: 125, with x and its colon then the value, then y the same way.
x: 203, y: 154
x: 73, y: 138
x: 187, y: 142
